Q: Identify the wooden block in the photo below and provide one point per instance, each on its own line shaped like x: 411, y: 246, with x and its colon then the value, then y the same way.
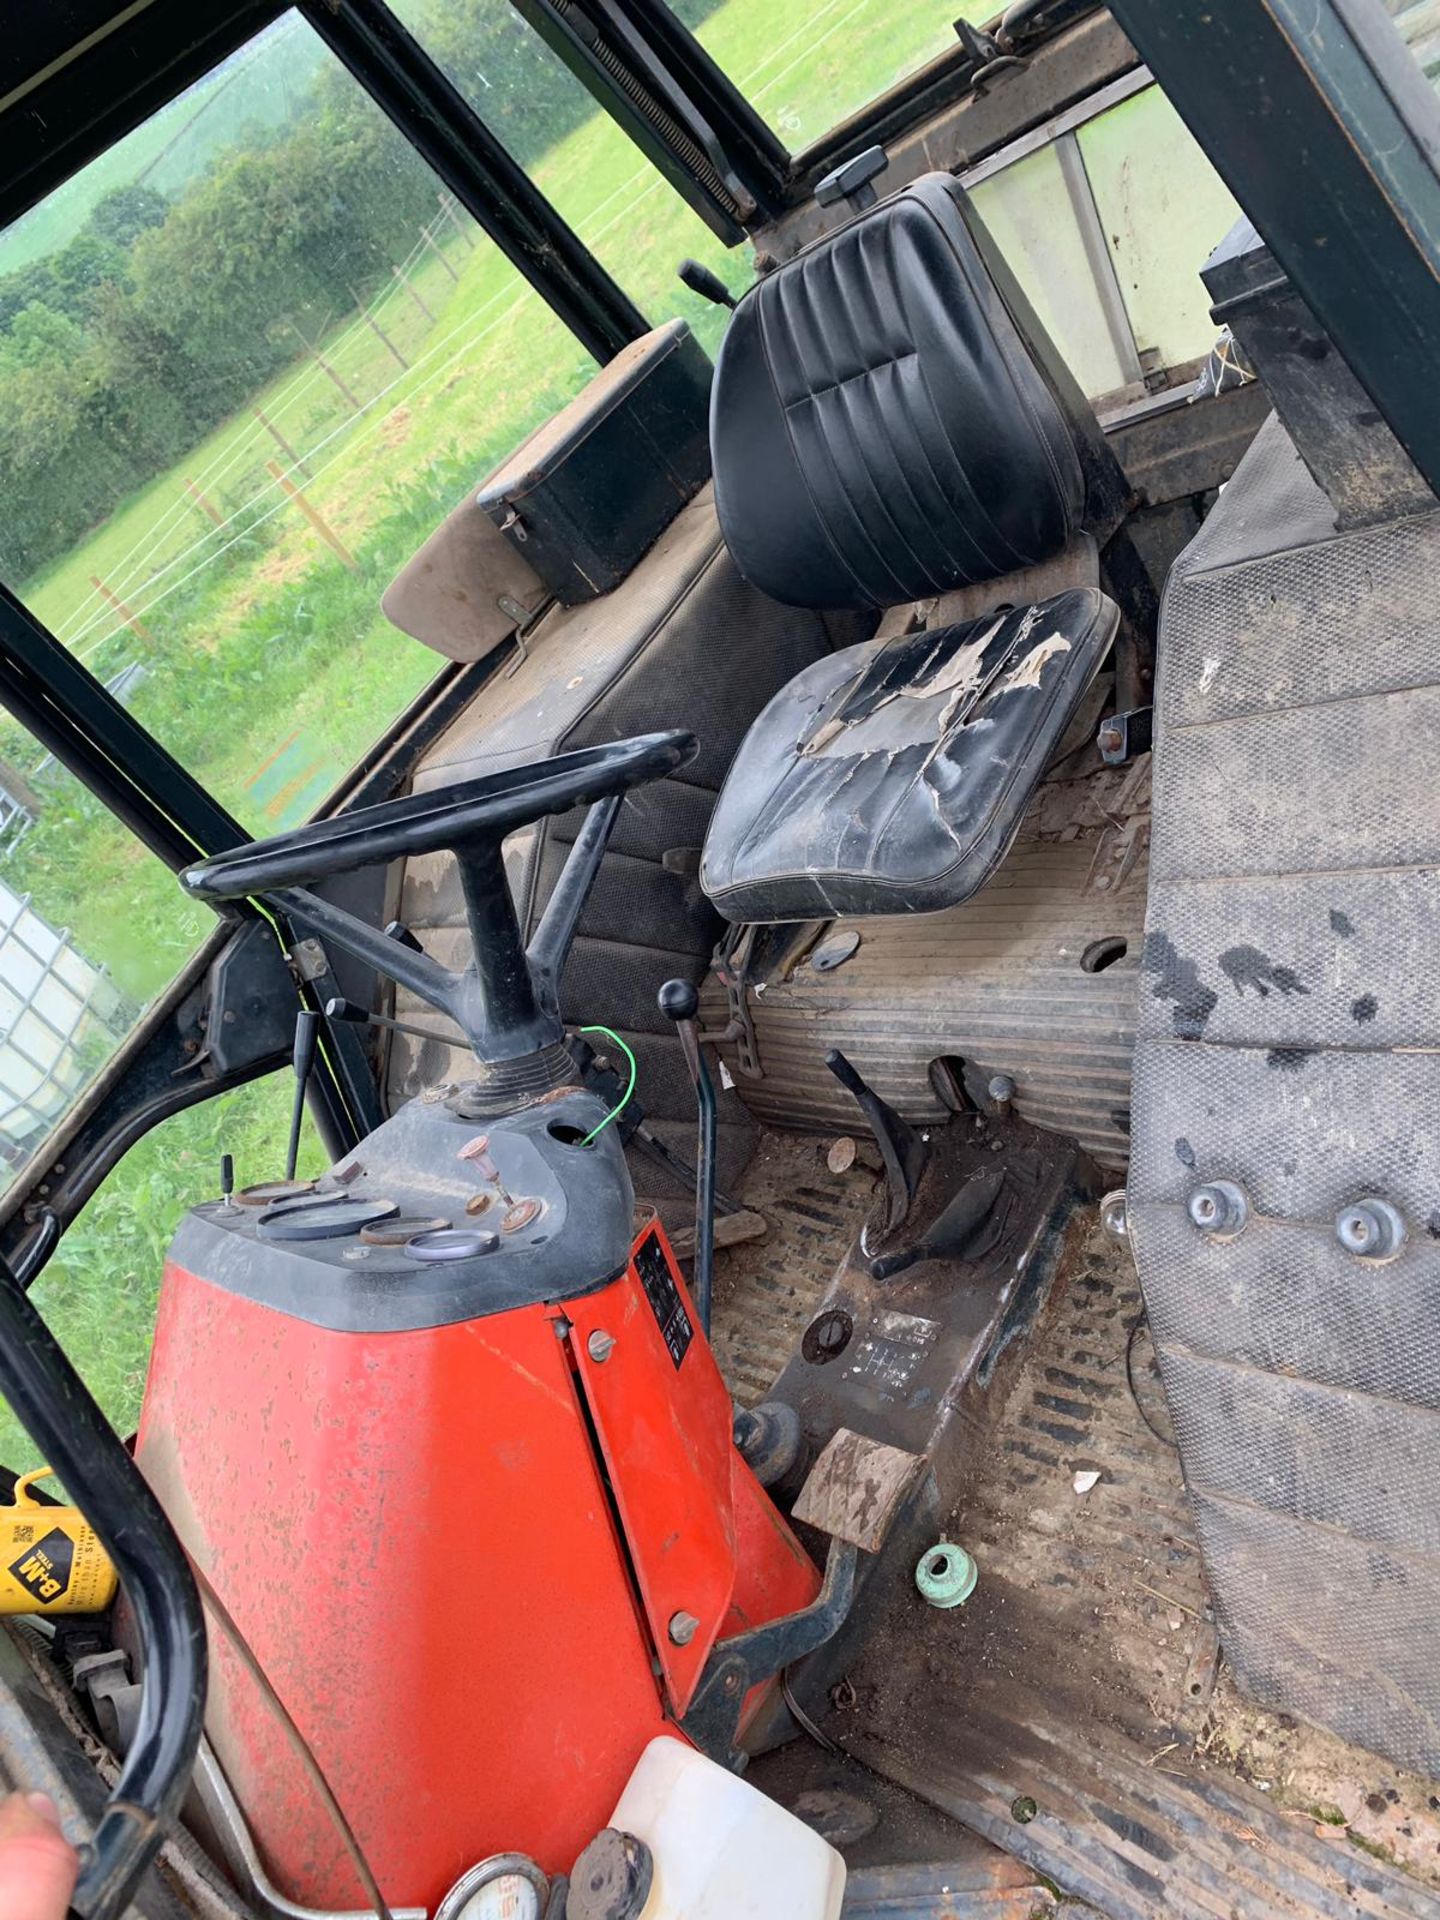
x: 731, y: 1230
x: 855, y: 1489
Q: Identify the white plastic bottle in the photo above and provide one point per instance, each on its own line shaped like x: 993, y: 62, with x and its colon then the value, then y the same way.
x: 722, y: 1850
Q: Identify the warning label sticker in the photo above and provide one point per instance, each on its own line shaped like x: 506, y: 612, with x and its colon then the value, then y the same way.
x: 664, y: 1297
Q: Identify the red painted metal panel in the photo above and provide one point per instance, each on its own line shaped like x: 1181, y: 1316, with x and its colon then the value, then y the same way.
x: 704, y: 1539
x: 413, y: 1532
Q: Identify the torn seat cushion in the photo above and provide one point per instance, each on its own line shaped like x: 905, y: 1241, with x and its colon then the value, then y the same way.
x: 891, y: 778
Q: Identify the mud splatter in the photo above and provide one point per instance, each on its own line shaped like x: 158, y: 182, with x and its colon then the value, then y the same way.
x: 1289, y: 1059
x: 1365, y: 1008
x: 1178, y: 980
x: 1248, y: 967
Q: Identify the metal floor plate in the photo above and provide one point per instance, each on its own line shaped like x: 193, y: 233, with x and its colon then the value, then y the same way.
x: 766, y: 1292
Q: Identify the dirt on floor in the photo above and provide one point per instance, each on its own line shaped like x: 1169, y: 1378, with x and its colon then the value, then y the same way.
x: 1082, y: 1688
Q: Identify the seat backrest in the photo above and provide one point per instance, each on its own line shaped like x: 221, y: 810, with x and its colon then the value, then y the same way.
x: 889, y: 420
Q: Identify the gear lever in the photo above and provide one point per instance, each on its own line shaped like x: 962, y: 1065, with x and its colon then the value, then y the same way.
x: 680, y: 1002
x: 307, y: 1026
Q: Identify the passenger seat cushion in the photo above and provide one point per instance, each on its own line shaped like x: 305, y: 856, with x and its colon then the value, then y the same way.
x: 892, y: 778
x: 880, y: 428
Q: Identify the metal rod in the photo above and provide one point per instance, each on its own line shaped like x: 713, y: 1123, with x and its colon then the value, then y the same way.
x: 1099, y: 259
x: 307, y: 1029
x: 550, y: 943
x: 680, y: 1002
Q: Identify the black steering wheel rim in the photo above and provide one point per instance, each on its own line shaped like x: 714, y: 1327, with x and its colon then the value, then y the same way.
x: 472, y: 811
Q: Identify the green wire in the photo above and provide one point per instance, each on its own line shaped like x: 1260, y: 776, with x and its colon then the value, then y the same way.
x: 624, y: 1101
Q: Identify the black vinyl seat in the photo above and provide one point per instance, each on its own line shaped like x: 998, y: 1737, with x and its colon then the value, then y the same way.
x: 889, y: 423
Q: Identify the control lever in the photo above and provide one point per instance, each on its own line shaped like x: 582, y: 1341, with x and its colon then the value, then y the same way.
x: 397, y: 930
x: 307, y: 1027
x: 708, y: 285
x: 227, y: 1179
x: 680, y: 1002
x: 358, y: 1016
x: 901, y: 1148
x: 852, y: 181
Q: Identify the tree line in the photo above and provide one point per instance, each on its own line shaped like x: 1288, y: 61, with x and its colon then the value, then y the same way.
x: 125, y: 348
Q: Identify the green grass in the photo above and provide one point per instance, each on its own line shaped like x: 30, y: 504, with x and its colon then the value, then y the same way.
x: 261, y: 635
x: 99, y: 1291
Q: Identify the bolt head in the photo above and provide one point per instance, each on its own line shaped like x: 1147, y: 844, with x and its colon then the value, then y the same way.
x: 600, y: 1346
x: 1219, y: 1208
x: 683, y: 1628
x: 1371, y: 1229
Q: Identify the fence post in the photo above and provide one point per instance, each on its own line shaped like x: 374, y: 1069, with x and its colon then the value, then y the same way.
x: 206, y: 505
x: 127, y: 614
x: 452, y: 213
x: 439, y: 252
x: 324, y: 365
x: 295, y: 459
x: 410, y: 288
x: 379, y: 332
x: 321, y: 525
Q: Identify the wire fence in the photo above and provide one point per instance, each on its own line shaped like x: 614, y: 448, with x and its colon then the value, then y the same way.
x: 145, y: 580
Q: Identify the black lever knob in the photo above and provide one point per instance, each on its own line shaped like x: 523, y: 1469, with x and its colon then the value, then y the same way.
x: 679, y: 1000
x: 708, y: 285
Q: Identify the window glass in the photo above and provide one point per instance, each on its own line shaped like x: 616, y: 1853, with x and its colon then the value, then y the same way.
x: 248, y: 359
x: 99, y: 1289
x: 625, y: 211
x: 1029, y: 216
x: 807, y: 66
x: 1164, y: 210
x: 92, y: 927
x: 1419, y: 24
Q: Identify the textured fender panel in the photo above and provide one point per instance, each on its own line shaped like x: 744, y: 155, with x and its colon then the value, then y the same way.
x: 1290, y: 1041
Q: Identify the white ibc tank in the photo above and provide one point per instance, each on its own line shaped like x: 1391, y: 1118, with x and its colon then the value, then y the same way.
x: 722, y: 1850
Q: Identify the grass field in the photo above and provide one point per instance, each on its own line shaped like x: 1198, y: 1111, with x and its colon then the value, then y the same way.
x: 259, y: 640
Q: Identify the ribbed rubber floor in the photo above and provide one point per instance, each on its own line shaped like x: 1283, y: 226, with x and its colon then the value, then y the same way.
x: 766, y: 1293
x: 1078, y: 1678
x: 998, y: 982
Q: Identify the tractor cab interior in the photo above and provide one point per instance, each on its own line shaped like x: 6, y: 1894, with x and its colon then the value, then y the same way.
x: 835, y: 1313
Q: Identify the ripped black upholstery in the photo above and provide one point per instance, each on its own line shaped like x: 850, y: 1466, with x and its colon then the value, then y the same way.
x: 889, y: 423
x: 893, y: 779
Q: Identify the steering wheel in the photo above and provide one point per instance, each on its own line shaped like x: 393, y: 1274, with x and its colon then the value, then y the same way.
x: 506, y: 1002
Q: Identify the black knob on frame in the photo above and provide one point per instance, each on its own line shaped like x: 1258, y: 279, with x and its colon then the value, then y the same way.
x: 679, y: 1000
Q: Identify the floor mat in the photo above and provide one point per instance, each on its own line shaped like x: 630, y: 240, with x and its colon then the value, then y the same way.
x: 1071, y: 1711
x: 766, y: 1292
